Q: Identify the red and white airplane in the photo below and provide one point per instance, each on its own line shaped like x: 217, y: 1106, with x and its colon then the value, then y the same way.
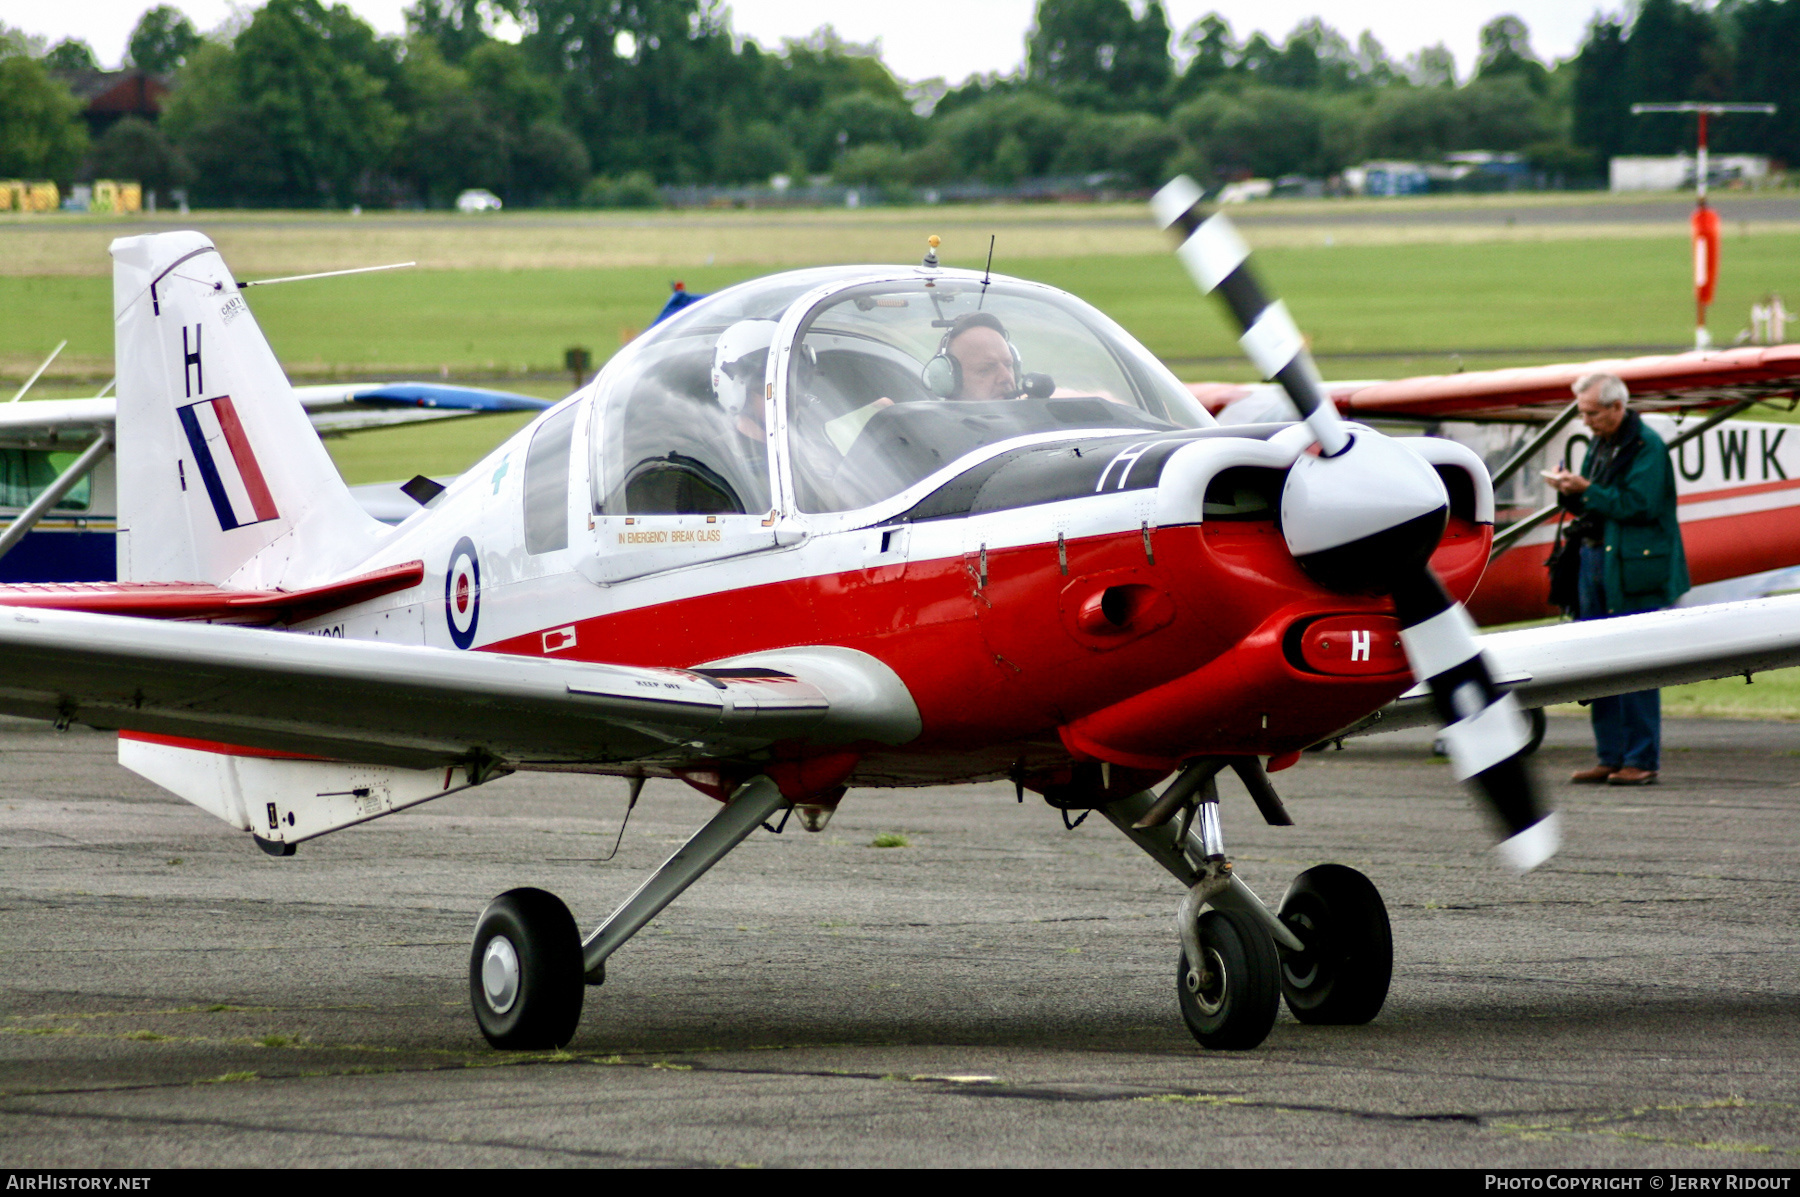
x: 801, y: 537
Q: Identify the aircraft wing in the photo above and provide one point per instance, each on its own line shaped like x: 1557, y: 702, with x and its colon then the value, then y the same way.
x: 44, y: 421
x: 417, y: 707
x: 1568, y: 662
x: 337, y: 408
x: 1536, y: 393
x: 1679, y: 380
x: 334, y: 409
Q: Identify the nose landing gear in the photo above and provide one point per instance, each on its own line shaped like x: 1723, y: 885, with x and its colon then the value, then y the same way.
x: 1329, y: 952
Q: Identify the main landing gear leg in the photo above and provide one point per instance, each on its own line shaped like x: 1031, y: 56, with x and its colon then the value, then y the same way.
x: 1185, y: 858
x: 529, y: 963
x: 755, y: 801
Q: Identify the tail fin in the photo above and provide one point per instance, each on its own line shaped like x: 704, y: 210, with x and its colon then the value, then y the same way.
x: 221, y: 476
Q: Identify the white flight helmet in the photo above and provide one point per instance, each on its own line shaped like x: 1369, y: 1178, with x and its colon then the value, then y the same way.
x: 739, y: 361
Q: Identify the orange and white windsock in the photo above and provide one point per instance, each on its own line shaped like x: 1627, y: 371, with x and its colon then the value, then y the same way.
x: 1706, y: 256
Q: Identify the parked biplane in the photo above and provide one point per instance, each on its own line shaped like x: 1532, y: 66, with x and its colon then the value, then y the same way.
x: 856, y: 526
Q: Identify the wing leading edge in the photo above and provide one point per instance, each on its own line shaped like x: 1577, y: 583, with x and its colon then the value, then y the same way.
x: 420, y: 708
x: 1569, y: 662
x: 1679, y: 381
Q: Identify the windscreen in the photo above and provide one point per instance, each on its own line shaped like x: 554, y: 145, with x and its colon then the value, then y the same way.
x: 892, y: 382
x: 680, y: 426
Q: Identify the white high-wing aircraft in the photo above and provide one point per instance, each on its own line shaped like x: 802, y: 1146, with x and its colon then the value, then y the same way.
x: 59, y: 492
x: 858, y: 526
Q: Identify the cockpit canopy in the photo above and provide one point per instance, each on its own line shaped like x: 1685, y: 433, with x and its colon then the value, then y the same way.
x: 890, y: 378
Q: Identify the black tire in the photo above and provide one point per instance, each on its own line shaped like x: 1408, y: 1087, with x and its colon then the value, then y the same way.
x: 1342, y: 977
x: 1539, y: 725
x: 1234, y: 1012
x: 541, y: 1006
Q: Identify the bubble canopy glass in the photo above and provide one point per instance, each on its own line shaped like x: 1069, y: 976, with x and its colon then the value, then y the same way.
x: 890, y: 382
x: 663, y: 443
x: 877, y: 397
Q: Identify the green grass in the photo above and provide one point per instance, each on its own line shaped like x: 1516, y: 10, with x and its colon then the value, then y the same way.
x: 447, y: 448
x: 1497, y: 296
x: 1773, y: 695
x: 490, y: 323
x: 1492, y: 296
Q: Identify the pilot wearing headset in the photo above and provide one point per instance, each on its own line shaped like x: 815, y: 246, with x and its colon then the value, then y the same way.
x: 975, y: 360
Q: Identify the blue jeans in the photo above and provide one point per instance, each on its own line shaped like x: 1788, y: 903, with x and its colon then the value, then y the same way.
x: 1627, y: 727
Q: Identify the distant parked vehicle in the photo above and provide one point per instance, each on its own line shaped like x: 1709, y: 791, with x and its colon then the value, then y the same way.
x: 477, y: 199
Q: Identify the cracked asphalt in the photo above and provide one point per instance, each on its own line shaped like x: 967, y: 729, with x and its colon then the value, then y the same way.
x: 997, y: 992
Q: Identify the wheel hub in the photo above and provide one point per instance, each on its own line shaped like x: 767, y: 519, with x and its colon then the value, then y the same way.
x: 1210, y: 990
x: 1301, y: 968
x: 500, y: 974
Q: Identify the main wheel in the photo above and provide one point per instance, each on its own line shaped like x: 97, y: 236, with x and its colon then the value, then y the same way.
x: 1233, y: 1008
x: 525, y: 976
x: 1342, y: 977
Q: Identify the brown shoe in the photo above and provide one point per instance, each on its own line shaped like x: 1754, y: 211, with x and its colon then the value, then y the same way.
x: 1593, y: 776
x: 1629, y: 776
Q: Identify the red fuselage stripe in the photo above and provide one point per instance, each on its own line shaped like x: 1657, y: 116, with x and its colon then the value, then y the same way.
x: 995, y: 658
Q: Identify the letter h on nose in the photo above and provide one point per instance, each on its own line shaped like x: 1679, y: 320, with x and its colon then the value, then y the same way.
x: 1359, y: 646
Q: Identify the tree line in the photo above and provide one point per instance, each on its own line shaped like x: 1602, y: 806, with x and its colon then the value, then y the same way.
x: 600, y: 101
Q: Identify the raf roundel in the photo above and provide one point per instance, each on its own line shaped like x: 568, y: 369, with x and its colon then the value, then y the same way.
x: 462, y: 593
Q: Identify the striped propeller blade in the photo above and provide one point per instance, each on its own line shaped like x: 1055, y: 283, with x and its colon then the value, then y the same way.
x: 1219, y: 260
x: 1484, y: 728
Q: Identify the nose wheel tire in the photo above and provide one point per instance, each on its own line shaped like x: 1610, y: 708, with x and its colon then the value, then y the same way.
x: 1232, y: 1005
x: 1341, y: 979
x: 525, y: 973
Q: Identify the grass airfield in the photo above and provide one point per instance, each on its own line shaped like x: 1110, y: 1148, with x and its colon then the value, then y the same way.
x: 1385, y: 288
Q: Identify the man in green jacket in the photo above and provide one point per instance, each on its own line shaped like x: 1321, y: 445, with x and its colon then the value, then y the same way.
x: 1631, y: 560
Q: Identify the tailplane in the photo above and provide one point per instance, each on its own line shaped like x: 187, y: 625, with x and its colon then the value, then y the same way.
x: 221, y: 476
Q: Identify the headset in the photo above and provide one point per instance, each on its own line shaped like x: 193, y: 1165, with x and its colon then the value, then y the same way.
x: 942, y: 375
